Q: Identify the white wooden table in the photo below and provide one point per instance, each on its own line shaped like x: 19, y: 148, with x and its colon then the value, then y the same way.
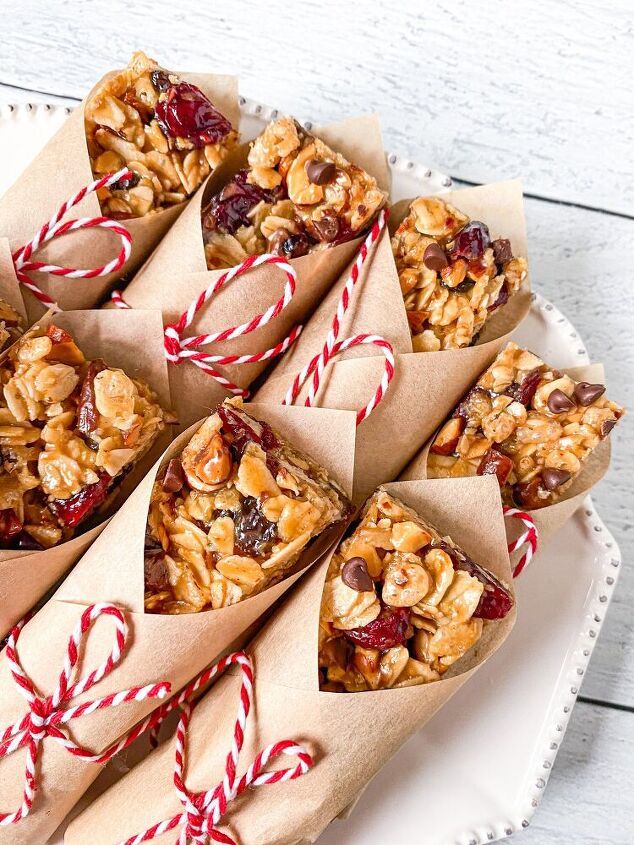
x: 483, y: 90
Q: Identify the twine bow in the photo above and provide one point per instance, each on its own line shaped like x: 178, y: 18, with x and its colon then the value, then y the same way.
x: 333, y: 346
x: 203, y: 811
x: 55, y: 229
x: 179, y: 348
x: 47, y: 714
x: 528, y: 540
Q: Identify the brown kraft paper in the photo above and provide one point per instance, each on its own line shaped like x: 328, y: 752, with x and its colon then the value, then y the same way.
x: 58, y: 172
x: 351, y: 735
x: 176, y: 274
x: 548, y: 520
x: 426, y: 385
x: 26, y: 576
x: 167, y: 648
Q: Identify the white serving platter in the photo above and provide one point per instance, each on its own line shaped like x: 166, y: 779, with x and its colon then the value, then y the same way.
x: 477, y: 771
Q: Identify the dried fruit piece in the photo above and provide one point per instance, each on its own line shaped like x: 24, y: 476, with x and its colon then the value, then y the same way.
x: 495, y: 463
x: 525, y: 390
x: 471, y: 241
x: 74, y: 510
x: 187, y: 113
x: 386, y: 631
x: 87, y: 413
x: 496, y: 601
x: 10, y: 525
x: 230, y: 209
x: 174, y: 476
x: 253, y: 532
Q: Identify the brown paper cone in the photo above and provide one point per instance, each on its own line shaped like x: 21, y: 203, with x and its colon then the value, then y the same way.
x: 426, y: 385
x: 61, y: 169
x: 176, y: 274
x: 26, y: 576
x: 548, y: 520
x: 350, y: 735
x: 169, y: 648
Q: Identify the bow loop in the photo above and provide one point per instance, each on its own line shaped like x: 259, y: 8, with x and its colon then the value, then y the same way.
x: 54, y: 228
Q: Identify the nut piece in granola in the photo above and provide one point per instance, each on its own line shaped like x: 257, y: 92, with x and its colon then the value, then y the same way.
x: 231, y: 514
x: 526, y: 423
x: 296, y: 195
x: 165, y: 131
x: 415, y: 605
x: 11, y: 325
x: 453, y: 275
x: 70, y: 429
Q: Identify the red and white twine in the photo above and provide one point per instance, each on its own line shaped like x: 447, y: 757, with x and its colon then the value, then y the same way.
x: 55, y: 229
x: 528, y: 540
x: 333, y: 346
x: 47, y: 714
x: 203, y: 811
x: 179, y: 348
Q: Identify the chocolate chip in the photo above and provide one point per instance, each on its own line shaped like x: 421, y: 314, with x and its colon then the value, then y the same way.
x: 174, y: 477
x: 156, y: 572
x: 502, y: 250
x: 320, y: 172
x: 435, y: 258
x: 606, y: 427
x: 586, y: 393
x: 559, y: 403
x: 554, y: 478
x: 356, y: 576
x: 295, y: 246
x: 326, y: 228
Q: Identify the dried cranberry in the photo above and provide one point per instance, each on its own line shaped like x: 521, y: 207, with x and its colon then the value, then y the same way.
x: 87, y: 413
x: 187, y: 113
x: 125, y: 183
x: 10, y: 525
x: 472, y: 241
x: 253, y: 532
x: 525, y: 390
x: 229, y: 209
x: 502, y: 298
x: 495, y: 463
x: 156, y: 573
x: 243, y: 433
x: 295, y: 246
x: 496, y: 601
x: 75, y: 509
x: 386, y: 631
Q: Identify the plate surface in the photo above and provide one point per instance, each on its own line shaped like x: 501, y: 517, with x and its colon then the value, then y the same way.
x: 477, y: 771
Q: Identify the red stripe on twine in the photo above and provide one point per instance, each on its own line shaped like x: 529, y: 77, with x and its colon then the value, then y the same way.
x: 179, y: 348
x: 54, y: 228
x: 333, y: 346
x: 203, y: 811
x: 47, y: 714
x: 528, y: 540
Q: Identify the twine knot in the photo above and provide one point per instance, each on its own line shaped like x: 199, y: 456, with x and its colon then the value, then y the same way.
x: 47, y: 714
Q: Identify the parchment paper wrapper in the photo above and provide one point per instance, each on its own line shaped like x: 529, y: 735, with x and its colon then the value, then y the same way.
x: 10, y: 289
x: 176, y: 274
x: 550, y: 518
x: 26, y: 576
x: 351, y: 735
x: 61, y: 169
x: 168, y: 648
x: 426, y: 385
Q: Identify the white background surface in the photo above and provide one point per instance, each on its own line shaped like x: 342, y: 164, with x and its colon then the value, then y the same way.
x: 484, y: 90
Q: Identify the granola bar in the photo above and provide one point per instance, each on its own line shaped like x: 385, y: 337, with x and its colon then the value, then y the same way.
x: 70, y: 429
x: 165, y: 131
x: 231, y: 515
x: 401, y: 604
x: 296, y: 196
x: 452, y: 275
x: 528, y: 424
x: 11, y: 325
